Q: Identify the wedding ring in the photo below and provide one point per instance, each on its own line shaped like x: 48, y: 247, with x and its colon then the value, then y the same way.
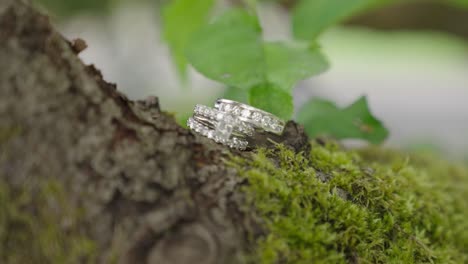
x: 232, y: 123
x: 222, y: 127
x: 202, y: 112
x: 251, y: 115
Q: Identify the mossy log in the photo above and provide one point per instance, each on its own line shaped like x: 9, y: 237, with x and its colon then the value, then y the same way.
x: 87, y: 175
x: 151, y: 190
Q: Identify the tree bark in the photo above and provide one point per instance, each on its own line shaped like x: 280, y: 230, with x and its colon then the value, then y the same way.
x: 152, y: 191
x: 417, y: 15
x: 426, y: 15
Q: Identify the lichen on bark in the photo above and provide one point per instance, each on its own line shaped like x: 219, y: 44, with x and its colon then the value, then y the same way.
x: 41, y: 226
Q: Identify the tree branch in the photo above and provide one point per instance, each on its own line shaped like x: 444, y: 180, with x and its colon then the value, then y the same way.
x: 418, y: 15
x: 152, y: 191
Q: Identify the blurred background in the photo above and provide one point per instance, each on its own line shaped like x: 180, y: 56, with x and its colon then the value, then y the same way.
x: 410, y: 58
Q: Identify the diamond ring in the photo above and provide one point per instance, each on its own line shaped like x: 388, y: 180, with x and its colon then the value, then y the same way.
x: 211, y: 114
x: 222, y: 127
x: 258, y: 118
x: 232, y: 123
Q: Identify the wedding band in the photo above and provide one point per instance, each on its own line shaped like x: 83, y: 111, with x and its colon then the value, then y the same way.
x: 232, y: 123
x: 202, y: 112
x: 251, y: 115
x: 222, y: 127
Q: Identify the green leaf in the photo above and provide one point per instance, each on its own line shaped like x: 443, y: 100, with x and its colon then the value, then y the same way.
x: 236, y: 94
x: 182, y: 117
x: 181, y: 19
x: 230, y: 50
x: 273, y: 99
x: 287, y: 63
x: 311, y: 17
x: 321, y: 117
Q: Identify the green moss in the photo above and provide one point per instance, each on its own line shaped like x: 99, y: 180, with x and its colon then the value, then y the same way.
x: 40, y: 226
x: 372, y: 206
x: 6, y: 133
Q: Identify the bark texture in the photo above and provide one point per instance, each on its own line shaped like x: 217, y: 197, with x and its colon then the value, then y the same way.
x: 410, y: 15
x: 417, y: 15
x: 153, y: 192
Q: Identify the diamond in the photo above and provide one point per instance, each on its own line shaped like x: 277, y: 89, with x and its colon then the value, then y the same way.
x: 266, y: 120
x: 276, y: 128
x: 257, y: 117
x: 224, y: 127
x: 245, y: 113
x: 210, y: 134
x: 273, y: 123
x: 236, y: 110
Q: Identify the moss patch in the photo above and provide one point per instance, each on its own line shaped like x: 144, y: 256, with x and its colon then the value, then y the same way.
x: 7, y: 133
x: 373, y: 206
x: 40, y: 226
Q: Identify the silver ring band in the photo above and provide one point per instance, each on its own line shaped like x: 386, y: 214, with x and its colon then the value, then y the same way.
x: 232, y: 123
x: 204, y: 130
x: 249, y: 114
x: 203, y: 113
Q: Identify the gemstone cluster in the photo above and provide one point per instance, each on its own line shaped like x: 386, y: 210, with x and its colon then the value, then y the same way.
x: 232, y: 123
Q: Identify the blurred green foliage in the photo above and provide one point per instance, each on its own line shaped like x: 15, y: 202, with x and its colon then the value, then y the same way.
x: 321, y: 117
x: 181, y: 19
x: 239, y: 58
x: 66, y: 8
x: 289, y: 62
x: 273, y: 99
x: 312, y: 17
x: 231, y: 50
